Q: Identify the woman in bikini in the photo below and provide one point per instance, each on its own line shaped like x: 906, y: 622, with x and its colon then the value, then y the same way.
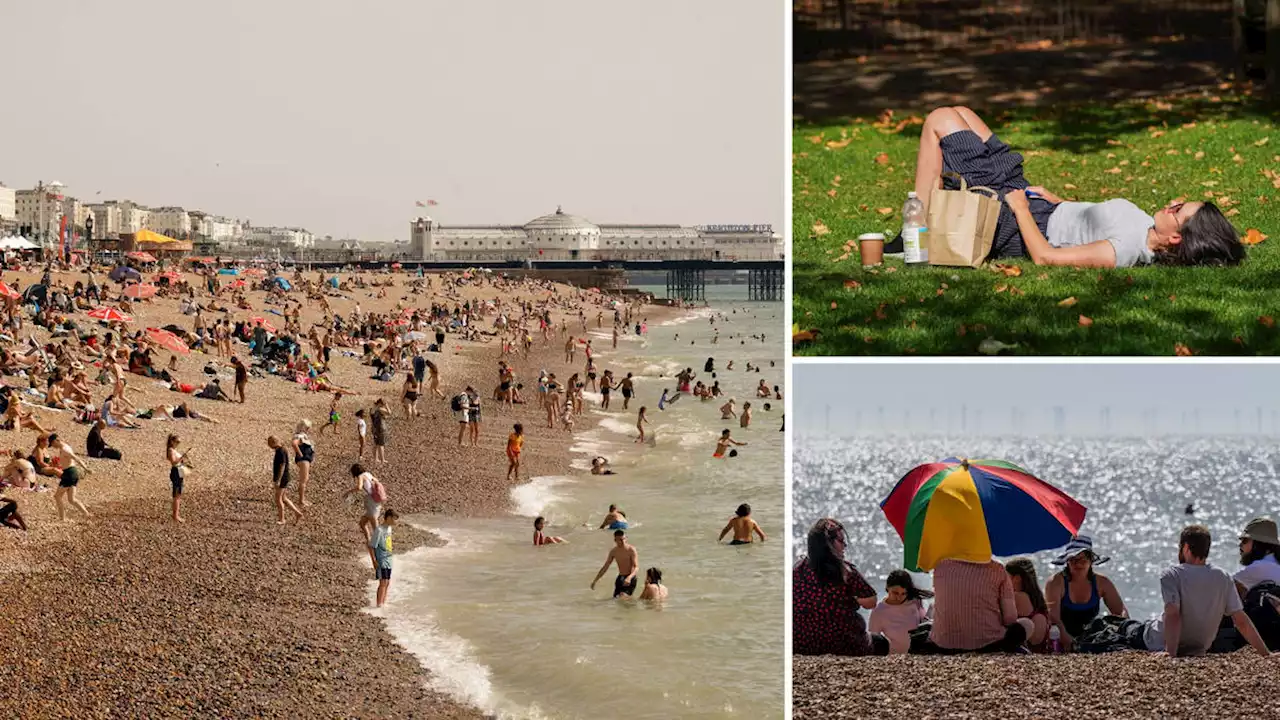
x: 409, y: 397
x: 1038, y: 224
x: 178, y: 465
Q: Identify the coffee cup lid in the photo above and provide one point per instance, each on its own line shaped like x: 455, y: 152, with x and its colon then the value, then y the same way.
x: 871, y: 236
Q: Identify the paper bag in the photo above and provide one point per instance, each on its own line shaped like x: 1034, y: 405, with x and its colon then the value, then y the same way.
x: 962, y: 224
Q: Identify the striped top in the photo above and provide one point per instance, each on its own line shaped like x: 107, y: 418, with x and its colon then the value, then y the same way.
x: 973, y: 604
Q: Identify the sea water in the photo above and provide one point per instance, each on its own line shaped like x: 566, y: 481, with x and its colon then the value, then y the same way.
x: 1136, y: 491
x: 516, y: 630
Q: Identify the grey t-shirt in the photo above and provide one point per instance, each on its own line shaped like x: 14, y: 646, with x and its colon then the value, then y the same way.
x: 1118, y: 221
x: 1204, y: 595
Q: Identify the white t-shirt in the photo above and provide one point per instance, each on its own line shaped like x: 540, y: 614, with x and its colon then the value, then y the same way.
x: 361, y: 427
x: 1117, y: 221
x: 1258, y: 571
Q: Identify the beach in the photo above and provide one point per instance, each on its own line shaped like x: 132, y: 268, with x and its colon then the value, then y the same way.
x: 130, y: 614
x: 516, y: 630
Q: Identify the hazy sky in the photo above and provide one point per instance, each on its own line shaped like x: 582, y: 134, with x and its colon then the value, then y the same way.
x: 338, y: 115
x: 936, y: 394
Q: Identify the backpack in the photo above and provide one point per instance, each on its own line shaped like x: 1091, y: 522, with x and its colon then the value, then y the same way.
x: 377, y: 491
x: 456, y: 403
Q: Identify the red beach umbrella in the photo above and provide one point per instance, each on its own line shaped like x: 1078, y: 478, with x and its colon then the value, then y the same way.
x: 140, y: 291
x: 9, y: 292
x: 168, y: 341
x: 259, y: 320
x: 109, y: 314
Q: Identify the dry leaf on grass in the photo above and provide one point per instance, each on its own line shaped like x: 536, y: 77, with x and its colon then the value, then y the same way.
x: 1001, y: 288
x: 882, y: 159
x: 820, y: 228
x: 837, y: 144
x: 884, y: 211
x: 1182, y: 350
x: 1253, y: 236
x: 833, y: 306
x: 852, y: 284
x: 1068, y: 302
x: 804, y: 336
x: 1085, y: 321
x: 1267, y: 321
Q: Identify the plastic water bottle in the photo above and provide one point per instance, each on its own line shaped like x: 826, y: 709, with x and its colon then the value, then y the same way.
x: 1055, y: 640
x: 914, y: 233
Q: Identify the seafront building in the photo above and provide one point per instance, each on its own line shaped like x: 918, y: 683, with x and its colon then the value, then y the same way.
x: 561, y: 236
x: 8, y: 205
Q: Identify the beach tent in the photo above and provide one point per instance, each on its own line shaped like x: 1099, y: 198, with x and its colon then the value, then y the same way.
x: 282, y: 283
x: 123, y: 273
x: 14, y: 242
x: 333, y: 281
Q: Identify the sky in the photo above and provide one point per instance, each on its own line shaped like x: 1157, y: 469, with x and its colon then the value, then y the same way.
x: 938, y: 394
x: 338, y: 116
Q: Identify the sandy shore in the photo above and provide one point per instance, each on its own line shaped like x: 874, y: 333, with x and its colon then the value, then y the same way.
x: 1081, y: 687
x: 129, y: 614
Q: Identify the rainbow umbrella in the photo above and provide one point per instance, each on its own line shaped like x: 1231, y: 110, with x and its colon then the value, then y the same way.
x: 973, y: 509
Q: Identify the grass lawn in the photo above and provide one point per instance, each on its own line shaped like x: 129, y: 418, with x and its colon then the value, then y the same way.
x: 1220, y: 148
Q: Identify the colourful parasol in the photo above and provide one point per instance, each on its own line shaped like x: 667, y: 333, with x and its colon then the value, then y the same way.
x: 170, y: 275
x: 396, y: 266
x: 9, y: 292
x: 168, y: 341
x: 239, y: 284
x: 258, y: 272
x: 140, y: 291
x: 974, y: 509
x: 109, y: 314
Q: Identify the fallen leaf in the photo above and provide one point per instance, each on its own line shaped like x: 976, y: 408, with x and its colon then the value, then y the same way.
x: 1068, y: 186
x: 833, y: 306
x: 831, y: 193
x: 837, y: 144
x: 815, y: 139
x: 882, y: 159
x: 1261, y: 142
x: 1068, y: 302
x: 852, y: 284
x: 820, y: 229
x: 884, y: 211
x: 804, y: 336
x: 891, y: 269
x: 1267, y: 321
x: 1017, y: 291
x: 1085, y: 321
x: 1042, y: 276
x: 1113, y: 171
x: 1182, y: 350
x: 880, y: 313
x: 1173, y: 298
x: 1001, y: 288
x: 1200, y: 155
x: 1232, y: 212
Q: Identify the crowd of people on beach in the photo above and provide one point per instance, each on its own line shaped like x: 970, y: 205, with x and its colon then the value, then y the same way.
x: 993, y: 607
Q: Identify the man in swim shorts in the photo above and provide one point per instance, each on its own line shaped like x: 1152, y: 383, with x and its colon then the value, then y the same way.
x: 628, y: 561
x: 615, y: 519
x: 723, y: 444
x: 742, y: 526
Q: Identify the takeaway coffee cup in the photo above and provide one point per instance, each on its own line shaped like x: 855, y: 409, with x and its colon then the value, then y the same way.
x: 871, y: 245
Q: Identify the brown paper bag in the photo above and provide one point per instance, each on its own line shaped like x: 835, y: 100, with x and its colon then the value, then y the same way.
x: 962, y: 224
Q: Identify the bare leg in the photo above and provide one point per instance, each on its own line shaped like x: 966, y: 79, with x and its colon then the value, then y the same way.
x: 304, y: 474
x: 940, y: 123
x: 382, y: 591
x: 177, y: 508
x: 71, y: 497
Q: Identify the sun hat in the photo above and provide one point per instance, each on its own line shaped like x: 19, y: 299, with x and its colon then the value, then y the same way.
x: 1080, y: 544
x: 1261, y: 530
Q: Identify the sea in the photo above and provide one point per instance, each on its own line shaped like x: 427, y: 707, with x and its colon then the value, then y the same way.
x: 1139, y: 493
x: 516, y: 631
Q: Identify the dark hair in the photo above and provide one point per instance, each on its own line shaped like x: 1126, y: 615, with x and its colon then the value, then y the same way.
x: 826, y: 562
x: 618, y: 533
x: 1197, y: 540
x: 744, y: 510
x: 654, y: 575
x: 902, y: 579
x: 390, y: 515
x: 519, y: 428
x: 1259, y: 551
x: 538, y: 519
x: 1025, y: 569
x: 357, y: 470
x: 1208, y: 238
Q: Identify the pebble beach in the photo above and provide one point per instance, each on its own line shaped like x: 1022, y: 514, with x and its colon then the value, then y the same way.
x: 128, y: 614
x: 1085, y: 687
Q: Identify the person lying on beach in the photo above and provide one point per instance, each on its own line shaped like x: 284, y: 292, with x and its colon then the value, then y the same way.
x: 380, y: 546
x: 723, y: 444
x: 628, y: 560
x: 742, y: 525
x: 1029, y: 601
x: 615, y: 519
x: 1108, y: 234
x: 653, y: 587
x: 901, y: 611
x: 9, y: 515
x: 20, y: 472
x: 600, y: 466
x: 15, y: 417
x: 539, y: 538
x: 1074, y: 597
x: 1197, y: 596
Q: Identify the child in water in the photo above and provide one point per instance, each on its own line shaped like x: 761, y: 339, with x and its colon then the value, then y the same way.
x: 742, y: 525
x: 901, y: 611
x: 539, y: 538
x: 380, y: 542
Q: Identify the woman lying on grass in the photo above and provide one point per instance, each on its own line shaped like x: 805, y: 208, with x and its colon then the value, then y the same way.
x: 1113, y: 233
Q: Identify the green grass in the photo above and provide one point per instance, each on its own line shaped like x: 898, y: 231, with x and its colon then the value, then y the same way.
x: 1156, y: 151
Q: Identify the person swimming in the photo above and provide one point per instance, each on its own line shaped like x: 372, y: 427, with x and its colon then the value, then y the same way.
x: 722, y: 445
x: 614, y: 520
x: 653, y: 587
x: 742, y: 526
x: 600, y: 466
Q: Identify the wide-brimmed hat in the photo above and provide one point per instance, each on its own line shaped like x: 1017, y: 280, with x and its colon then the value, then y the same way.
x: 1080, y: 544
x: 1261, y: 530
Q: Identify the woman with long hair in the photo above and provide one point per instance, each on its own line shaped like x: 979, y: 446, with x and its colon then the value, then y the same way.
x: 1038, y: 224
x: 1029, y: 599
x: 828, y: 591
